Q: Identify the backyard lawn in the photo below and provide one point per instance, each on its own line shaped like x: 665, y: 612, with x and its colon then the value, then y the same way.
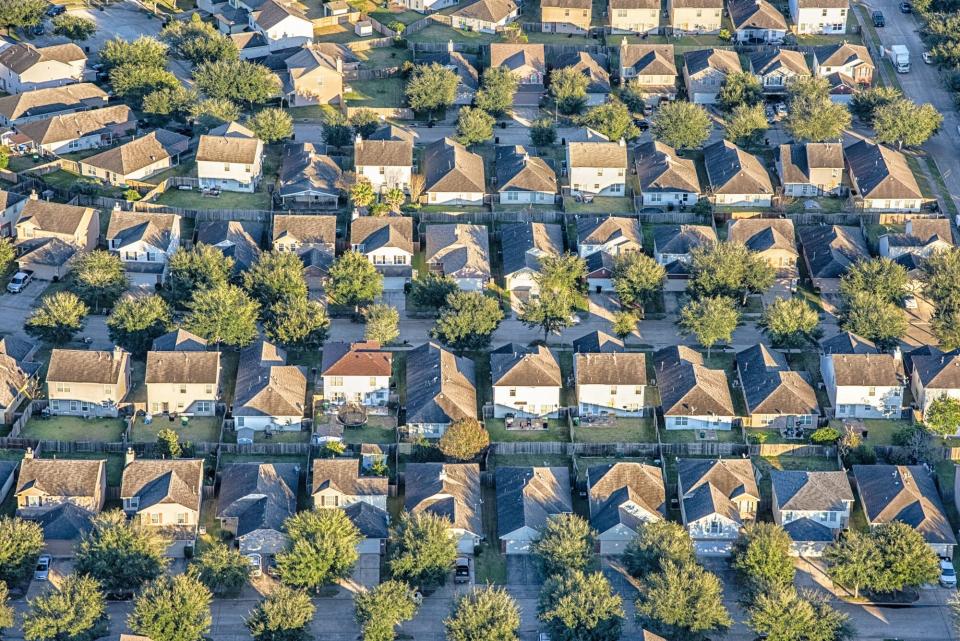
x: 600, y: 205
x: 623, y: 430
x: 879, y: 431
x: 199, y: 429
x: 73, y: 428
x: 557, y: 431
x: 693, y: 436
x: 439, y: 33
x: 811, y: 463
x: 226, y: 200
x: 387, y: 92
x: 379, y: 429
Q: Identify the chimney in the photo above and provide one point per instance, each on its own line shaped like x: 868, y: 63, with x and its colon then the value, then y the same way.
x: 28, y: 454
x: 129, y: 456
x: 116, y: 206
x: 450, y: 46
x: 117, y: 352
x: 623, y: 42
x: 526, y: 158
x: 897, y: 354
x: 339, y: 65
x: 33, y: 194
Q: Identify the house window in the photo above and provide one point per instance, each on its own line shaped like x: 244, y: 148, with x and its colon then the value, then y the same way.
x: 638, y: 391
x: 181, y: 518
x: 239, y: 421
x: 248, y: 169
x: 108, y: 390
x: 336, y: 381
x: 872, y: 391
x: 832, y: 517
x: 715, y: 527
x: 383, y: 170
x: 203, y: 407
x: 330, y: 501
x: 133, y: 503
x: 155, y: 519
x: 226, y: 167
x: 512, y: 392
x: 599, y: 172
x: 399, y: 260
x: 613, y: 390
x: 373, y: 381
x: 681, y: 421
x: 208, y: 389
x: 63, y: 387
x: 33, y: 501
x: 183, y: 388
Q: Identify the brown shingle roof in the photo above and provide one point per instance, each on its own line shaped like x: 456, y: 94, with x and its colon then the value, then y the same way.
x: 450, y: 168
x: 515, y: 366
x: 881, y: 172
x: 841, y: 53
x: 688, y: 387
x: 356, y: 359
x: 305, y: 228
x: 610, y: 369
x: 76, y: 125
x: 55, y: 218
x: 731, y: 170
x: 517, y: 170
x: 867, y: 370
x: 755, y: 14
x: 61, y: 477
x: 660, y: 169
x: 904, y: 493
x: 139, y: 152
x: 182, y: 367
x: 51, y: 99
x: 645, y: 483
x: 797, y: 160
x: 761, y: 234
x: 343, y: 475
x: 19, y: 58
x: 267, y: 387
x: 450, y: 490
x: 514, y: 56
x: 649, y: 60
x: 82, y: 366
x: 462, y: 251
x: 600, y: 230
x: 171, y: 482
x: 597, y: 154
x: 487, y: 10
x: 723, y: 60
x: 129, y: 226
x: 229, y: 149
x: 374, y: 232
x: 765, y: 62
x: 383, y: 153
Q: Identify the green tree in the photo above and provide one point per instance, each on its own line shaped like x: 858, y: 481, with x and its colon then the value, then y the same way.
x: 813, y: 116
x: 74, y: 27
x: 99, y: 278
x: 941, y: 281
x: 382, y: 323
x: 474, y: 126
x: 562, y: 273
x: 222, y: 568
x: 168, y: 444
x: 906, y: 561
x: 285, y: 615
x: 681, y: 124
x: 464, y: 440
x: 903, y: 122
x: 6, y: 612
x: 878, y: 276
x: 421, y: 551
x: 275, y: 277
x: 568, y: 86
x: 711, y: 319
x: 172, y: 608
x: 613, y: 120
x: 380, y: 610
x: 4, y: 157
x: 362, y: 194
x: 198, y: 41
x: 58, y: 318
x: 365, y: 122
x: 430, y: 289
x: 7, y: 253
x: 468, y: 321
x: 942, y: 416
x: 683, y: 602
x: 656, y: 543
x: 746, y: 124
x: 74, y: 612
x: 144, y: 52
x: 176, y: 101
x: 213, y: 112
x: 133, y: 82
x: 624, y: 324
x: 513, y: 32
x: 192, y: 270
x: 237, y: 80
x: 740, y: 88
x: 121, y: 555
x: 484, y: 614
x: 223, y: 314
x: 853, y: 560
x: 297, y: 322
x: 394, y: 199
x: 497, y: 87
x: 637, y: 278
x: 271, y: 125
x: 20, y: 544
x: 784, y: 615
x: 22, y: 14
x: 871, y: 316
x: 551, y: 312
x: 322, y: 549
x: 353, y: 281
x: 580, y: 607
x: 865, y: 103
x: 790, y: 322
x: 729, y: 269
x: 762, y: 556
x: 566, y: 543
x: 542, y: 132
x: 431, y: 88
x: 336, y: 129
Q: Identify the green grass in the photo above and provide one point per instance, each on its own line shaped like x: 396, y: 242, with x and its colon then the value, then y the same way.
x: 490, y: 566
x: 690, y: 436
x: 185, y: 168
x: 227, y: 200
x: 387, y: 15
x: 114, y: 463
x: 879, y: 431
x: 388, y: 92
x: 600, y: 205
x: 199, y: 429
x: 208, y: 518
x: 625, y: 430
x: 921, y: 177
x: 941, y: 185
x: 439, y: 33
x: 311, y: 112
x: 65, y: 181
x: 809, y: 361
x: 298, y: 436
x: 227, y: 459
x: 74, y: 428
x: 228, y: 374
x: 557, y: 431
x: 383, y: 57
x: 811, y: 463
x: 379, y: 429
x: 11, y: 455
x: 528, y: 460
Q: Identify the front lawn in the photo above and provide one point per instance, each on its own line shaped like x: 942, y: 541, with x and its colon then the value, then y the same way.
x: 226, y: 200
x: 556, y: 431
x: 623, y: 430
x: 388, y: 92
x: 199, y: 429
x: 73, y: 428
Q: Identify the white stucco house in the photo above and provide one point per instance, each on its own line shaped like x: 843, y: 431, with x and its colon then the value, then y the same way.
x: 281, y: 24
x: 934, y: 376
x: 864, y: 385
x: 526, y: 381
x: 387, y: 242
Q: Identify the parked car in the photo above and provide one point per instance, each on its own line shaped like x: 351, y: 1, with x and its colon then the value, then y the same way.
x: 927, y: 57
x: 906, y: 7
x: 878, y: 20
x: 910, y: 302
x: 42, y: 573
x: 781, y: 109
x: 948, y: 576
x: 19, y: 281
x: 55, y: 10
x: 256, y: 564
x: 461, y: 572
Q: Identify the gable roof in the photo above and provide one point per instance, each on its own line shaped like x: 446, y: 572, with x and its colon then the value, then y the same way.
x: 372, y: 522
x: 261, y: 496
x: 129, y: 227
x: 770, y: 60
x: 266, y: 386
x: 769, y: 387
x: 797, y: 160
x: 35, y: 103
x: 14, y: 378
x: 9, y: 198
x: 723, y: 60
x: 517, y: 170
x: 938, y: 372
x: 343, y: 475
x: 229, y: 149
x: 184, y: 367
x: 87, y: 366
x: 600, y: 230
x: 660, y: 169
x: 611, y: 155
x: 179, y: 340
x: 590, y: 66
x: 528, y: 496
x: 449, y: 167
x: 867, y: 370
x: 755, y: 14
x: 921, y: 232
x: 830, y: 250
x: 808, y: 530
x: 45, y: 251
x: 441, y: 387
x: 64, y: 522
x: 687, y: 387
x: 597, y: 341
x: 462, y: 251
x: 62, y: 477
x: 649, y: 60
x: 524, y: 243
x: 804, y: 491
x: 77, y: 125
x: 272, y: 13
x: 22, y: 57
x: 709, y: 485
x: 355, y: 359
x: 374, y: 232
x: 140, y: 152
x: 487, y: 10
x: 731, y: 170
x: 682, y: 239
x: 881, y: 172
x: 240, y: 240
x: 513, y: 365
x: 305, y: 170
x: 450, y: 490
x: 762, y: 234
x: 516, y: 55
x: 841, y: 54
x: 848, y: 343
x: 610, y: 368
x: 167, y: 481
x: 378, y: 152
x: 306, y: 229
x: 55, y: 218
x: 612, y: 485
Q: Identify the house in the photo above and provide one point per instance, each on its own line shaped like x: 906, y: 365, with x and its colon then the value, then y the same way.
x: 164, y: 495
x: 922, y: 237
x: 706, y: 70
x: 452, y: 491
x: 24, y: 67
x: 17, y: 376
x: 251, y: 45
x: 819, y: 16
x: 597, y: 168
x: 387, y: 242
x: 649, y: 69
x: 469, y: 77
x: 775, y: 397
x: 694, y: 16
x: 386, y: 163
x: 179, y: 340
x: 849, y: 60
x: 454, y: 176
x: 145, y: 243
x: 756, y: 21
x: 255, y: 500
x: 527, y: 497
x: 460, y: 252
x: 522, y: 178
x: 313, y: 238
x: 337, y: 483
x: 908, y: 494
x: 594, y: 68
x: 11, y: 204
x: 623, y: 496
x: 934, y: 376
x: 599, y: 343
x: 21, y: 108
x: 308, y: 178
x: 566, y: 16
x: 235, y: 239
x: 46, y: 483
x: 87, y: 383
x: 441, y: 389
x: 231, y: 160
x: 373, y: 523
x: 282, y: 25
x: 611, y: 383
x: 487, y: 16
x: 811, y: 506
x: 811, y: 169
x: 526, y: 381
x: 614, y: 235
x: 634, y: 16
x: 716, y: 498
x: 314, y: 77
x: 600, y: 267
x: 72, y: 132
x: 51, y: 235
x: 138, y: 159
x: 736, y: 178
x: 666, y: 179
x: 523, y: 246
x: 270, y: 395
x: 848, y: 343
x: 771, y: 238
x: 526, y: 61
x: 356, y: 373
x: 881, y: 179
x: 829, y: 251
x: 180, y: 382
x: 692, y: 396
x: 673, y: 245
x: 428, y: 6
x: 841, y: 88
x: 864, y: 385
x: 777, y: 69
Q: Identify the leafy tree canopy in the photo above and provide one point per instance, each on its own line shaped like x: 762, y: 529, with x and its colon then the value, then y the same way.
x: 421, y: 551
x: 656, y: 543
x: 474, y: 126
x: 484, y: 614
x: 430, y: 289
x: 497, y: 88
x: 903, y: 122
x: 568, y: 86
x: 322, y: 549
x: 613, y: 120
x: 762, y: 556
x: 285, y: 615
x: 271, y: 125
x: 353, y: 280
x: 380, y: 610
x: 223, y: 569
x: 712, y: 320
x: 566, y: 543
x: 682, y: 125
x: 121, y: 555
x: 144, y: 52
x: 790, y: 322
x: 58, y: 318
x: 237, y: 80
x: 431, y: 87
x: 637, y: 278
x: 728, y: 269
x: 20, y: 544
x: 942, y: 416
x: 223, y: 314
x: 464, y: 440
x: 468, y: 321
x: 202, y: 267
x: 683, y: 602
x: 76, y: 612
x: 580, y: 607
x: 813, y: 116
x: 741, y: 88
x: 172, y: 608
x: 382, y: 323
x: 99, y: 278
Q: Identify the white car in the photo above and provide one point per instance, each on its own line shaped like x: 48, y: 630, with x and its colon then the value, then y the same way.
x: 42, y: 573
x: 948, y: 576
x: 910, y: 302
x: 19, y: 281
x: 927, y: 57
x: 256, y: 564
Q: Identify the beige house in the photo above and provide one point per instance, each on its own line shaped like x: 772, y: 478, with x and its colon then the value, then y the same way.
x: 17, y: 375
x: 24, y: 67
x: 695, y: 16
x: 705, y: 71
x: 811, y: 169
x: 138, y: 159
x: 87, y: 383
x: 183, y: 382
x: 881, y: 179
x: 72, y: 132
x: 337, y: 483
x: 598, y: 168
x: 43, y: 103
x: 50, y: 236
x: 527, y: 61
x: 771, y: 238
x: 774, y: 396
x: 46, y: 483
x: 314, y: 77
x: 566, y: 16
x: 634, y: 16
x: 650, y: 68
x: 313, y: 238
x: 230, y: 158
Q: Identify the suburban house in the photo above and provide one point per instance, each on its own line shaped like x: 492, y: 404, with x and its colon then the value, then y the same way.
x: 614, y: 235
x: 771, y: 238
x: 566, y: 16
x: 756, y: 21
x: 281, y: 24
x: 17, y: 372
x: 611, y: 383
x: 600, y: 267
x: 457, y: 62
x: 705, y: 71
x: 527, y: 497
x: 526, y: 61
x: 623, y: 496
x: 428, y: 6
x: 230, y: 158
x: 829, y: 251
x: 673, y: 245
x: 72, y: 132
x: 934, y: 376
x: 524, y: 245
x: 255, y: 499
x: 313, y: 238
x: 24, y: 67
x: 692, y: 396
x: 11, y: 204
x: 87, y: 383
x: 526, y: 381
x: 356, y: 373
x: 597, y: 342
x: 46, y: 483
x: 270, y: 395
x: 387, y: 242
x: 811, y: 169
x: 460, y: 252
x: 881, y: 179
x: 594, y: 68
x: 308, y: 178
x: 487, y: 16
x: 694, y: 16
x: 373, y: 524
x: 454, y: 176
x: 777, y: 69
x: 441, y: 389
x: 775, y: 397
x: 179, y: 340
x: 239, y: 240
x: 522, y: 178
x: 849, y: 60
x: 251, y: 45
x: 651, y: 69
x: 181, y: 382
x: 49, y: 236
x: 385, y: 163
x: 819, y: 16
x: 811, y: 506
x: 21, y: 108
x: 666, y: 179
x: 848, y: 343
x: 144, y: 242
x: 597, y: 168
x: 717, y: 497
x: 138, y: 159
x: 864, y: 385
x: 164, y: 495
x: 314, y: 77
x: 736, y: 178
x: 337, y: 483
x: 450, y: 490
x: 634, y: 16
x: 922, y: 237
x: 908, y: 494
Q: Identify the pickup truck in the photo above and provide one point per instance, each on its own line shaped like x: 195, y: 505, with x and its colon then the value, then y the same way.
x: 19, y: 281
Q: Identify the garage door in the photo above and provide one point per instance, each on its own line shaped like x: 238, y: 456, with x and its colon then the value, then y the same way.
x: 466, y: 545
x: 615, y: 547
x: 518, y: 547
x: 713, y: 548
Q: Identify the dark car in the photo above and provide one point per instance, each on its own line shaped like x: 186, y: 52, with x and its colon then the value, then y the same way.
x: 878, y: 20
x: 642, y: 124
x: 461, y: 570
x: 906, y: 7
x: 56, y: 10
